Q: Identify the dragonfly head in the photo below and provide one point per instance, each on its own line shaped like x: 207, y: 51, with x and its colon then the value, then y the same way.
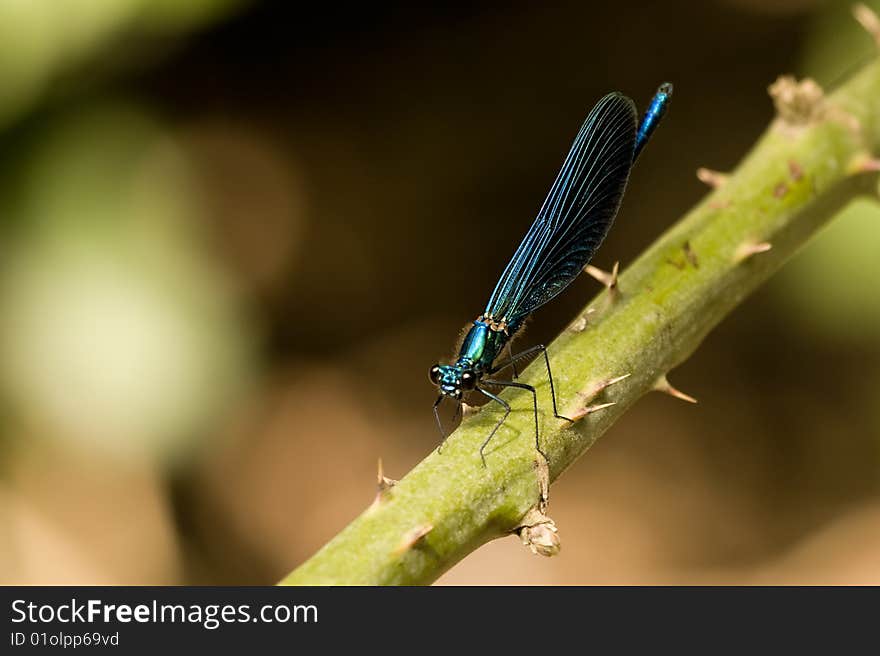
x: 452, y: 379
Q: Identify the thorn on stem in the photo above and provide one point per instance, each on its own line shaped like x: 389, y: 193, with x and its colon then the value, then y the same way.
x: 747, y: 249
x: 868, y: 19
x: 579, y: 325
x: 780, y: 190
x: 711, y: 178
x: 383, y: 487
x: 412, y: 537
x: 612, y: 381
x: 590, y: 409
x: 662, y: 385
x: 382, y: 481
x: 469, y: 410
x: 795, y: 170
x: 606, y: 278
x: 864, y: 163
x: 592, y: 390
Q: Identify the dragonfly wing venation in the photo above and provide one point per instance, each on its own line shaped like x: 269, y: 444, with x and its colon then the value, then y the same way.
x: 576, y: 214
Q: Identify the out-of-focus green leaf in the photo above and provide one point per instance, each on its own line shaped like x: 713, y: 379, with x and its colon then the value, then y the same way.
x: 117, y: 329
x: 41, y: 40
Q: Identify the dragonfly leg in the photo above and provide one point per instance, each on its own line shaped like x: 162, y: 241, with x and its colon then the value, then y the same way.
x: 510, y: 383
x: 540, y: 348
x: 506, y: 406
x: 552, y: 388
x: 443, y: 434
x: 457, y: 413
x: 512, y: 360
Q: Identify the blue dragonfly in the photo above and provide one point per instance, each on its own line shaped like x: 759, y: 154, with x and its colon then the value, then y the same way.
x: 570, y: 226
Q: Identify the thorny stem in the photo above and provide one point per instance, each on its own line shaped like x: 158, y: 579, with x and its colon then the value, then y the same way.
x: 805, y: 168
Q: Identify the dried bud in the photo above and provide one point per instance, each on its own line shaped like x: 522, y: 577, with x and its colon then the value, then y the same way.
x: 542, y: 538
x: 538, y: 532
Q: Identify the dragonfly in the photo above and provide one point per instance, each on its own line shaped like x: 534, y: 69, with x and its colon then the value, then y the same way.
x: 569, y: 228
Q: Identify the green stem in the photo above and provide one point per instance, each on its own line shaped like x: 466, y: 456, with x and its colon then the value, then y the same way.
x: 795, y: 179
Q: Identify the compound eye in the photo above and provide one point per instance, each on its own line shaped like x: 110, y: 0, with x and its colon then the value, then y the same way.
x: 435, y: 374
x: 468, y: 380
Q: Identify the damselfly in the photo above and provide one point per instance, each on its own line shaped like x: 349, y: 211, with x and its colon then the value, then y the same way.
x: 570, y: 226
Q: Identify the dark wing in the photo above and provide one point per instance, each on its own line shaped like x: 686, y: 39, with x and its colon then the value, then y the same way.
x: 575, y: 216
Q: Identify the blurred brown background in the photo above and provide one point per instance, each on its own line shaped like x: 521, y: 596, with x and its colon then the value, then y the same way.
x: 234, y: 237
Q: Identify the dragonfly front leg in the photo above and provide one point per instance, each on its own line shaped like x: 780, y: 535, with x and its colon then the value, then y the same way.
x: 506, y: 406
x: 443, y: 434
